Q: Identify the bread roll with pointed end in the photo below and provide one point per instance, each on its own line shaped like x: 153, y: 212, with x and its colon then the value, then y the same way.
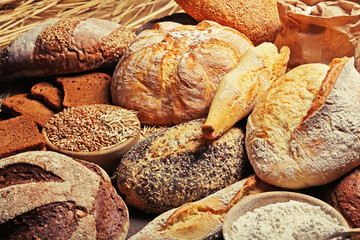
x: 201, y: 219
x: 305, y: 130
x: 238, y: 90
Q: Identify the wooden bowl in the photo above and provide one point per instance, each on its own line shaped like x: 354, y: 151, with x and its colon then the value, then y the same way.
x: 258, y: 200
x: 107, y: 158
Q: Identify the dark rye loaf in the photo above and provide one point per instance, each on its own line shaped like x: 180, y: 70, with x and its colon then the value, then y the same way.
x: 62, y: 46
x: 179, y: 165
x: 46, y: 195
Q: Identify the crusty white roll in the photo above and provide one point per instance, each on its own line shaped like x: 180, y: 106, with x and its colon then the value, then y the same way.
x: 305, y: 130
x: 61, y: 46
x: 257, y: 19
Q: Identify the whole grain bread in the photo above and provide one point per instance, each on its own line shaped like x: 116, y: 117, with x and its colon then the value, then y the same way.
x: 62, y: 46
x: 48, y: 93
x: 169, y: 74
x: 19, y: 134
x: 305, y: 130
x: 22, y: 104
x: 84, y: 89
x: 46, y: 195
x: 178, y: 165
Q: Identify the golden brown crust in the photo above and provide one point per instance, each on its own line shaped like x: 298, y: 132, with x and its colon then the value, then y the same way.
x: 170, y: 74
x: 258, y: 20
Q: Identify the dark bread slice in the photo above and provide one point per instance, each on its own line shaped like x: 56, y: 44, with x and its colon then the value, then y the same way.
x: 48, y: 93
x: 70, y: 199
x: 19, y: 134
x: 22, y: 104
x: 178, y: 165
x: 84, y: 89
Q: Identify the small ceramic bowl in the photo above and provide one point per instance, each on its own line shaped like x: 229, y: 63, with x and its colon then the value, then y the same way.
x: 262, y: 199
x: 107, y: 158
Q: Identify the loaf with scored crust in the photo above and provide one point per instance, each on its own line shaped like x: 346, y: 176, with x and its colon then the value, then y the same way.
x: 47, y: 195
x: 305, y: 130
x: 170, y: 73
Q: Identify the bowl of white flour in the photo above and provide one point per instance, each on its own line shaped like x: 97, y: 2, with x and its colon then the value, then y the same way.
x: 282, y: 215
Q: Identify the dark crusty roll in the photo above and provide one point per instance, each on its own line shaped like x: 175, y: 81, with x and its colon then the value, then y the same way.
x: 345, y: 197
x: 61, y: 46
x: 179, y: 165
x: 46, y: 195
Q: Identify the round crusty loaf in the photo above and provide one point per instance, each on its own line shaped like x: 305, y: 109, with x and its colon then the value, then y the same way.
x: 170, y: 74
x: 62, y: 46
x: 305, y: 130
x: 257, y: 19
x: 345, y: 197
x: 46, y: 195
x: 178, y: 165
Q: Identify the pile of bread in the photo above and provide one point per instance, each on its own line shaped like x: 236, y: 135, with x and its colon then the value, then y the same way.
x: 238, y: 122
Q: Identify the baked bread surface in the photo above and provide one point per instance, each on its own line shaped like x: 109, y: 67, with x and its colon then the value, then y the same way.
x: 178, y: 165
x: 304, y: 131
x: 170, y: 74
x: 257, y: 19
x: 46, y: 195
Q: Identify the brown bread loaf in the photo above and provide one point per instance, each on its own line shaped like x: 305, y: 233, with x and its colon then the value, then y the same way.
x: 22, y: 104
x: 46, y: 195
x: 178, y: 165
x: 19, y: 134
x: 170, y: 74
x: 345, y: 197
x: 61, y: 46
x: 48, y: 93
x: 305, y: 130
x: 85, y: 89
x: 258, y: 19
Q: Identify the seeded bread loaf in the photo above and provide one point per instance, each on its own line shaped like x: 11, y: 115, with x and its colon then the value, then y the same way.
x: 178, y: 165
x: 49, y: 94
x: 305, y: 130
x: 19, y: 134
x: 258, y: 19
x: 22, y: 104
x: 170, y: 74
x: 85, y: 89
x: 61, y: 46
x: 46, y: 195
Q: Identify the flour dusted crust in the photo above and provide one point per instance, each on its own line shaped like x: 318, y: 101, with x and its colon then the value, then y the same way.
x: 257, y: 19
x: 66, y: 45
x: 201, y: 219
x: 74, y: 199
x: 305, y: 130
x: 170, y: 74
x: 178, y: 165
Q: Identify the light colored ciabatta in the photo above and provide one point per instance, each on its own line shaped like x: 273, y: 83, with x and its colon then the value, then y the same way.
x: 62, y: 46
x: 178, y: 165
x: 46, y: 195
x: 201, y: 219
x: 239, y: 89
x: 305, y: 130
x: 170, y: 74
x: 257, y: 19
